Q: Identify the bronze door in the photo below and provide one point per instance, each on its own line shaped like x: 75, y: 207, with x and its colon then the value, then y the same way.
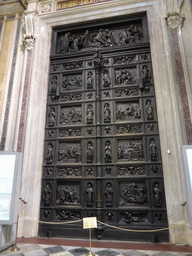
x: 102, y: 151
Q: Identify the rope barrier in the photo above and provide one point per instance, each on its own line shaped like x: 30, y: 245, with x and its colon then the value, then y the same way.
x: 54, y: 223
x: 123, y: 229
x: 141, y: 231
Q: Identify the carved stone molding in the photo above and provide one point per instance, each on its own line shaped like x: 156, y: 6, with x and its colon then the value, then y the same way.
x: 28, y: 32
x: 24, y: 3
x: 174, y: 19
x: 46, y: 8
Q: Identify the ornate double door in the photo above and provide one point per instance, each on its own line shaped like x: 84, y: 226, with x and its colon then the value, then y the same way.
x: 102, y: 151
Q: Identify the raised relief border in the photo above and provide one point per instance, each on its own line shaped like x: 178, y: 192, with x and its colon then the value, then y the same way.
x: 101, y: 38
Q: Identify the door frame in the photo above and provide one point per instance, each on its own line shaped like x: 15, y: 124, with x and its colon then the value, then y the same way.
x: 171, y: 129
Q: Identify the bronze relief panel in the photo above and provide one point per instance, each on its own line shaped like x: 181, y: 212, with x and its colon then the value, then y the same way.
x: 102, y: 150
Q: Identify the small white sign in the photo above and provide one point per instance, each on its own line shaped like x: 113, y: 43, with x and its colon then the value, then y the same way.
x: 90, y: 222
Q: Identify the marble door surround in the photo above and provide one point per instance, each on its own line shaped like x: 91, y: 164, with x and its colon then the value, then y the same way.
x: 40, y: 20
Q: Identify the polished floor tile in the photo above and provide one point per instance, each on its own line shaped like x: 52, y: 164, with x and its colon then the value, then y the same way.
x: 57, y: 250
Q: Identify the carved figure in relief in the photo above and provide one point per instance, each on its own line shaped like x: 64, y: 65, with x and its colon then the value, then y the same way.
x: 157, y: 195
x: 90, y: 80
x: 67, y: 215
x: 109, y: 215
x: 155, y: 169
x: 74, y: 44
x: 125, y: 77
x: 89, y: 131
x: 47, y: 194
x: 71, y: 65
x: 151, y: 127
x: 83, y: 40
x: 89, y: 171
x: 71, y: 82
x: 48, y: 171
x: 130, y: 150
x: 51, y: 133
x: 90, y: 114
x: 66, y: 195
x: 89, y: 152
x: 49, y: 154
x: 69, y: 172
x: 97, y: 60
x: 108, y: 170
x: 69, y: 152
x: 146, y: 74
x: 70, y: 115
x: 107, y: 113
x: 108, y: 152
x: 102, y: 39
x: 107, y: 130
x: 89, y: 195
x: 132, y: 170
x: 133, y: 35
x: 133, y: 193
x: 127, y: 218
x: 46, y: 214
x: 153, y: 150
x: 134, y: 217
x: 106, y: 79
x: 149, y: 110
x: 109, y: 195
x: 63, y: 45
x: 51, y: 117
x: 54, y: 84
x: 158, y: 217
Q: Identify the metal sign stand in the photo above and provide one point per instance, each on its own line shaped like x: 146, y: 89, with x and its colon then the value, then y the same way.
x: 90, y: 223
x: 90, y: 253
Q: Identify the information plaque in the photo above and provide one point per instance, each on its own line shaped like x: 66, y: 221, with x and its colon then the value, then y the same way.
x: 90, y: 222
x: 10, y: 173
x: 187, y: 154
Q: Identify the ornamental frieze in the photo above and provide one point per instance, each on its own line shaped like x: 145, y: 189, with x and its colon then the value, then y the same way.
x: 133, y: 217
x: 69, y: 171
x: 67, y: 215
x: 76, y: 3
x: 131, y: 170
x: 129, y: 128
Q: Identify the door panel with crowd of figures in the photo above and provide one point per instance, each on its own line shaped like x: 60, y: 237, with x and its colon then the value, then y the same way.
x: 102, y: 151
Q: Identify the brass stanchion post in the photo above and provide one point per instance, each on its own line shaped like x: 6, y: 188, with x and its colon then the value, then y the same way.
x: 90, y: 252
x: 15, y: 247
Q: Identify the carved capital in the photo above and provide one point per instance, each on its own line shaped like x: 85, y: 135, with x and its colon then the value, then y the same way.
x: 28, y: 31
x: 174, y: 20
x: 28, y: 41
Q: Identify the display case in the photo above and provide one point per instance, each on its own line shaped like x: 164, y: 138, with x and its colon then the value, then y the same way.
x: 10, y: 176
x: 187, y: 154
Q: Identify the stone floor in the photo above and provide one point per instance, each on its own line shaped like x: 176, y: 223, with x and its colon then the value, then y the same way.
x: 58, y: 250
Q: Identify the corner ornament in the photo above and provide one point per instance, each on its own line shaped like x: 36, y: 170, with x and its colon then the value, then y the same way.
x: 174, y: 20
